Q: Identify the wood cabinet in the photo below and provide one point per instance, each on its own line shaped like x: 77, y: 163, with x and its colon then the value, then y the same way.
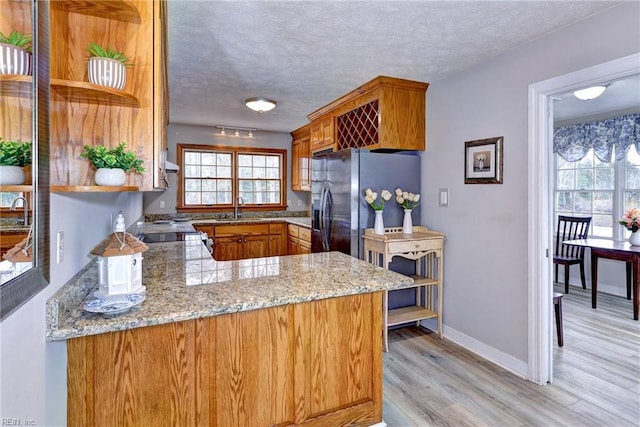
x: 322, y: 134
x: 8, y: 239
x: 298, y: 240
x: 316, y: 363
x: 242, y: 241
x: 386, y: 113
x: 425, y: 247
x: 277, y: 239
x: 86, y: 114
x: 301, y: 159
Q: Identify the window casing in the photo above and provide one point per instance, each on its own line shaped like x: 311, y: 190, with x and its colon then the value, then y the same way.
x: 604, y: 191
x: 212, y: 177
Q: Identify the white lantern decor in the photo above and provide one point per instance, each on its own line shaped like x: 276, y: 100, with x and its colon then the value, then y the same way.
x: 119, y: 263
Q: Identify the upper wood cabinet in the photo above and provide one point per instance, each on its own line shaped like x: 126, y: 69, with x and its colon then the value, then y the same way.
x: 386, y: 113
x: 322, y: 134
x: 301, y: 159
x: 86, y: 114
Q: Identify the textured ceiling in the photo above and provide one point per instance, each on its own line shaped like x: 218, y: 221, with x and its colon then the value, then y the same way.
x: 304, y: 54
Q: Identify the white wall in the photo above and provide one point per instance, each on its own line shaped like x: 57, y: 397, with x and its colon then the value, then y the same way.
x: 485, y: 276
x: 205, y: 135
x: 33, y: 371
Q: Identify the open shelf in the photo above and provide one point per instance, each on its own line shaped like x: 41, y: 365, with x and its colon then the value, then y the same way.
x: 113, y: 9
x: 13, y: 85
x: 412, y: 313
x: 90, y: 93
x: 16, y: 188
x: 93, y: 188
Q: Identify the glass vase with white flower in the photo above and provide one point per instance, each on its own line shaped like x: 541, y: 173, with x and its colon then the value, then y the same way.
x: 408, y: 201
x: 371, y: 197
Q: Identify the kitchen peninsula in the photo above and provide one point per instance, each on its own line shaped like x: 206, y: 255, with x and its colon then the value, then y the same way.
x: 290, y: 340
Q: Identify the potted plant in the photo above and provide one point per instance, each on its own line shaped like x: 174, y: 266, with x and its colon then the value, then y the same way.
x: 15, y: 53
x: 107, y: 67
x: 112, y: 164
x: 14, y: 156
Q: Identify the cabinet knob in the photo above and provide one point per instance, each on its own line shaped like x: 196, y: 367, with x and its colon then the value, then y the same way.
x: 240, y: 240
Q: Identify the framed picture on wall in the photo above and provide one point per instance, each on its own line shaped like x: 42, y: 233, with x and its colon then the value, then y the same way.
x: 483, y: 161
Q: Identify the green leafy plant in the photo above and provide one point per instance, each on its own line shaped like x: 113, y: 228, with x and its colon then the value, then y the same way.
x: 17, y: 39
x: 95, y: 50
x: 14, y: 153
x: 113, y: 158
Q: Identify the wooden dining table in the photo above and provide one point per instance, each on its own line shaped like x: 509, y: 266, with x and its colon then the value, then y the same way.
x: 619, y: 251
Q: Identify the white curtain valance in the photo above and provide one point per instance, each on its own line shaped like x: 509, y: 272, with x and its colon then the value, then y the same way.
x: 573, y: 142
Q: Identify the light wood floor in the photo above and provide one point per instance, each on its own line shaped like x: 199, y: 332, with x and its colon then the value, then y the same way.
x: 433, y: 382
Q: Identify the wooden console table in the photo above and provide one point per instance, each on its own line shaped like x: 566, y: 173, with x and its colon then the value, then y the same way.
x: 425, y: 247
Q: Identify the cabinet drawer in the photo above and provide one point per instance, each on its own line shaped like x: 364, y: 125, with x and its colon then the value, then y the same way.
x: 276, y: 228
x: 419, y: 245
x: 293, y: 230
x: 244, y: 229
x: 304, y: 234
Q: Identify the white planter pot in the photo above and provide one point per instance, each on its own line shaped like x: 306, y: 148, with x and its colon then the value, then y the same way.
x: 107, y: 72
x: 12, y: 175
x: 113, y: 177
x: 14, y: 60
x: 634, y: 239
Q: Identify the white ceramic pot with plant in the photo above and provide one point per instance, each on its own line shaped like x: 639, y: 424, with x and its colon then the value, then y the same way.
x: 107, y: 67
x: 14, y: 156
x: 112, y: 164
x: 15, y: 54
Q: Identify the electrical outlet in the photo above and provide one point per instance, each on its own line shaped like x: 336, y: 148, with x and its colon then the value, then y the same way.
x: 60, y: 247
x: 161, y: 204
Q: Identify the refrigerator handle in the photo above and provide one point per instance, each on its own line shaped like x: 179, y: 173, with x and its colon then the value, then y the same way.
x: 321, y: 214
x: 327, y: 218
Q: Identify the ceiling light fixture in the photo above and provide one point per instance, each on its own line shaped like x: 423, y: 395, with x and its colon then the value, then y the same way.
x: 260, y: 105
x: 589, y: 93
x: 222, y: 132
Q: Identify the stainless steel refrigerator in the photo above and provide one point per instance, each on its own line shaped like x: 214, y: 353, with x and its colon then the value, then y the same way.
x: 339, y: 211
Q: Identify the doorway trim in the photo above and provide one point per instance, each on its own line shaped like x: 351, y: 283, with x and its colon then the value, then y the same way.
x: 540, y: 233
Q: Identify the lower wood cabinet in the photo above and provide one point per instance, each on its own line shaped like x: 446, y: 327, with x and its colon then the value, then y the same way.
x: 298, y: 240
x: 242, y: 241
x: 8, y: 239
x: 316, y: 363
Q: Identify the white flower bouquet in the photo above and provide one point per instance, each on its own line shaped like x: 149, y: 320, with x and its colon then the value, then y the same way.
x: 407, y: 200
x: 371, y: 198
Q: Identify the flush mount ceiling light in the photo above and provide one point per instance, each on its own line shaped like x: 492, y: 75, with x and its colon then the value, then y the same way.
x: 260, y: 104
x: 589, y: 93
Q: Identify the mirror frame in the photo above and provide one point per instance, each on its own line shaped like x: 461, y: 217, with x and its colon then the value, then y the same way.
x: 19, y: 290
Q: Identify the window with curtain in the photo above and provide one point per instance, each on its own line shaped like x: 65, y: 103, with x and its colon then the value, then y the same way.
x: 213, y: 176
x: 597, y: 172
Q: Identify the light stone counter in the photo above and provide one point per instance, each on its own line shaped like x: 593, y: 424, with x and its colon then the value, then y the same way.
x: 184, y: 282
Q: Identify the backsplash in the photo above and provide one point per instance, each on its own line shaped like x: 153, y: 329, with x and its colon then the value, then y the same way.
x: 227, y: 215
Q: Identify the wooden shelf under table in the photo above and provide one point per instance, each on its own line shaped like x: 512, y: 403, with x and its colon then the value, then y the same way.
x: 398, y: 316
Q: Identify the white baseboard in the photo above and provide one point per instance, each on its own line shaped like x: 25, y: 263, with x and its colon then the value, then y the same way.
x: 493, y: 355
x: 380, y: 424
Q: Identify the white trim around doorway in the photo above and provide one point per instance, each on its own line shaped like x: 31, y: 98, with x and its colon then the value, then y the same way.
x: 540, y: 329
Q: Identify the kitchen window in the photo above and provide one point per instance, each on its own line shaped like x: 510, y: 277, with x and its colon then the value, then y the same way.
x: 604, y: 191
x: 211, y: 177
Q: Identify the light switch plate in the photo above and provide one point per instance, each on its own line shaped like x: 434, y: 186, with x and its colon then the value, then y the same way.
x: 443, y: 197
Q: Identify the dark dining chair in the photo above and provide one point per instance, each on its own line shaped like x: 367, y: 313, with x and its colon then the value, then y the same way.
x: 570, y: 228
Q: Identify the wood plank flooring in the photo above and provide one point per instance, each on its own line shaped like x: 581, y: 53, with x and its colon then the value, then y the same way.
x: 433, y: 382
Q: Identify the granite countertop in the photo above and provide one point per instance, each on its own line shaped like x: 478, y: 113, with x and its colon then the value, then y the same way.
x: 184, y: 282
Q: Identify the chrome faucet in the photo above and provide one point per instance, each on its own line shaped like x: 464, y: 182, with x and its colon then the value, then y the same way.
x: 239, y: 201
x: 25, y: 205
